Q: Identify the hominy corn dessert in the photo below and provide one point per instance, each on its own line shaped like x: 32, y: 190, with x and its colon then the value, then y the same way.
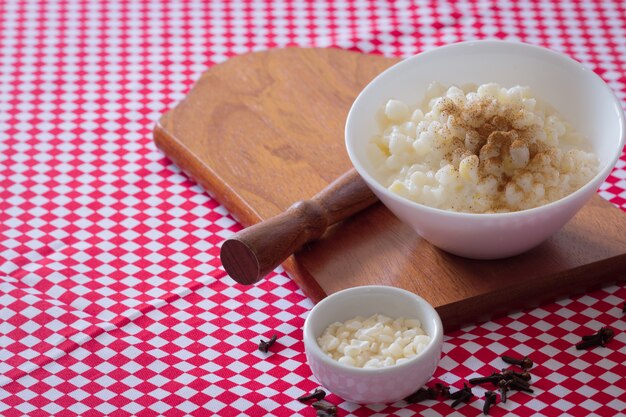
x: 480, y: 150
x: 375, y: 342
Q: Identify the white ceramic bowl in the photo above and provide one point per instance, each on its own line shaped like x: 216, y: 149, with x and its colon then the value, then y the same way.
x: 370, y: 386
x: 576, y: 92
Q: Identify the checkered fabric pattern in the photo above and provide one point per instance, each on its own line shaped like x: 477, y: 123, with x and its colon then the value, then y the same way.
x: 112, y: 298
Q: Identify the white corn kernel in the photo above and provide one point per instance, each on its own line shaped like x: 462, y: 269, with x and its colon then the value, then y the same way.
x: 347, y: 360
x: 468, y: 168
x: 396, y: 110
x: 372, y: 342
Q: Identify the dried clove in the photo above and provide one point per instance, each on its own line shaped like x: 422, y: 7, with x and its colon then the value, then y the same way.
x: 524, y: 363
x: 587, y: 344
x: 325, y: 406
x: 462, y: 395
x: 494, y: 378
x: 525, y: 376
x: 459, y: 393
x: 519, y: 381
x: 516, y: 385
x: 465, y: 397
x: 503, y: 386
x: 606, y: 335
x: 265, y: 346
x: 601, y: 338
x: 442, y: 389
x: 421, y: 394
x: 511, y: 375
x: 490, y: 399
x: 318, y: 394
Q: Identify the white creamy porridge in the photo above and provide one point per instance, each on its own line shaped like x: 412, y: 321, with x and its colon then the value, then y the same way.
x: 480, y: 150
x: 374, y: 342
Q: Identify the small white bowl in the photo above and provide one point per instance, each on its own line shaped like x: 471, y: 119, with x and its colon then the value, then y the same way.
x: 372, y: 386
x: 577, y: 93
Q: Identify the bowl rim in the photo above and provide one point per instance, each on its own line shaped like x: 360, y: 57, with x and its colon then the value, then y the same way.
x: 594, y: 182
x: 313, y: 348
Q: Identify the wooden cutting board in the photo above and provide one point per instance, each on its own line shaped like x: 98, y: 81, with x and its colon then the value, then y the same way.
x: 264, y: 130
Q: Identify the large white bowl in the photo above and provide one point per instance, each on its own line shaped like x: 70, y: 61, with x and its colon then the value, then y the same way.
x: 576, y: 92
x: 381, y: 385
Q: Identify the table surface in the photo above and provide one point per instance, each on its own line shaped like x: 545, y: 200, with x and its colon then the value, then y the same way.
x: 112, y: 298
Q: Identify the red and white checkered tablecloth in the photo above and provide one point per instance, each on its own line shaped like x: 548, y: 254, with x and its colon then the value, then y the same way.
x: 112, y: 298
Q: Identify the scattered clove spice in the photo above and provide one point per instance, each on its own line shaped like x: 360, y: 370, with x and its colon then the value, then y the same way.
x: 503, y: 386
x: 506, y: 380
x: 462, y: 395
x: 494, y: 378
x: 490, y: 399
x: 457, y: 394
x: 421, y: 394
x: 601, y: 338
x: 443, y: 390
x: 265, y: 346
x: 524, y: 363
x: 318, y: 395
x: 463, y: 398
x: 510, y: 373
x: 325, y: 406
x: 518, y: 386
x: 518, y: 381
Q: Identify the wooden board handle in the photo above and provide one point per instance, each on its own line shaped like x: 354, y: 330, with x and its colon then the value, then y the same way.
x: 254, y: 252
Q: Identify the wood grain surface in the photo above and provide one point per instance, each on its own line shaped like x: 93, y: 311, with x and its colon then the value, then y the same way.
x: 264, y: 130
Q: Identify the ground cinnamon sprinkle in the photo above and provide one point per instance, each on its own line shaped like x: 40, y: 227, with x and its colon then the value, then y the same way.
x: 490, y: 149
